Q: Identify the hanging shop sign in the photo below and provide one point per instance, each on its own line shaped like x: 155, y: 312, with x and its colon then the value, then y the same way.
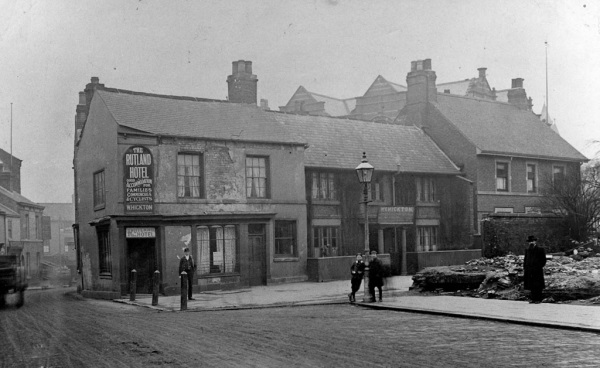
x: 139, y: 180
x: 396, y: 215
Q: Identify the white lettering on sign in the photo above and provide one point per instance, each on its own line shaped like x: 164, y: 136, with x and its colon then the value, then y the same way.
x: 140, y: 232
x: 397, y: 209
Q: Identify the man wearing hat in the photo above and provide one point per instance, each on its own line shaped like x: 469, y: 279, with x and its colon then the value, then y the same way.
x: 375, y: 275
x: 186, y: 263
x: 533, y: 269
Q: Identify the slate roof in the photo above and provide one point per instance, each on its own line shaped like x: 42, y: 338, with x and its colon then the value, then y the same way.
x: 184, y: 117
x: 332, y: 142
x: 496, y: 127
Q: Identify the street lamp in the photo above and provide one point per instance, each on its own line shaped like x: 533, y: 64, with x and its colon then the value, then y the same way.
x: 364, y: 171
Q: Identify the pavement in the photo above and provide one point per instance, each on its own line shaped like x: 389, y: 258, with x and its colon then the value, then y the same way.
x: 564, y: 316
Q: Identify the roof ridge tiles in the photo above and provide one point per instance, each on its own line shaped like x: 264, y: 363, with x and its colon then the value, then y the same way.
x: 172, y: 97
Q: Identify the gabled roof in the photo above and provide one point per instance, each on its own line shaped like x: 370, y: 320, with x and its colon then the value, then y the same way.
x: 7, y: 211
x: 335, y: 106
x: 18, y: 198
x: 332, y: 142
x: 501, y: 128
x: 380, y: 83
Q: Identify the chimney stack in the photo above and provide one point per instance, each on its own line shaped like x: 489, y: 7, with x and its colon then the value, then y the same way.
x: 83, y: 106
x: 242, y: 84
x: 517, y: 95
x: 482, y: 72
x: 420, y: 83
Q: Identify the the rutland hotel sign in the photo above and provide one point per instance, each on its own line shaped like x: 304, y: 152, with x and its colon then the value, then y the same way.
x: 139, y: 180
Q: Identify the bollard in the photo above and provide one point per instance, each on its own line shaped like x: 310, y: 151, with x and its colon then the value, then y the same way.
x: 155, y: 287
x: 184, y: 290
x: 132, y: 285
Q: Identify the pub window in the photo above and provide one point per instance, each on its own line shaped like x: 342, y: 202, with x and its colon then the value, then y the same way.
x: 558, y: 173
x: 426, y: 190
x: 502, y: 176
x: 189, y: 175
x: 99, y: 189
x: 324, y: 186
x: 427, y: 238
x: 257, y: 179
x: 285, y: 239
x: 376, y: 191
x: 10, y: 229
x: 326, y: 238
x: 531, y: 178
x: 217, y: 249
x: 105, y: 263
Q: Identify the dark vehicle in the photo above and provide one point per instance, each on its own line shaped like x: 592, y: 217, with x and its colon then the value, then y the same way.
x: 12, y: 279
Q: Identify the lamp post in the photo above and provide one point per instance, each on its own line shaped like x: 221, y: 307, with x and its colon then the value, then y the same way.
x: 364, y: 171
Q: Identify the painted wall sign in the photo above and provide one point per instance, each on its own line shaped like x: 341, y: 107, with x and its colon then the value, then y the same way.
x: 140, y: 232
x: 396, y: 215
x: 139, y: 180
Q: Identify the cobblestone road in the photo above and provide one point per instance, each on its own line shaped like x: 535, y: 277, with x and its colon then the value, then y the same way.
x: 52, y: 330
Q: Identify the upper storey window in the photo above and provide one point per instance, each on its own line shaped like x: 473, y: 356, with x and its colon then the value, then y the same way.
x: 257, y: 179
x: 502, y: 176
x: 324, y: 186
x: 189, y: 175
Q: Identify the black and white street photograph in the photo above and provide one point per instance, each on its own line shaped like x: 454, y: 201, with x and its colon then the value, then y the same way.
x: 299, y: 183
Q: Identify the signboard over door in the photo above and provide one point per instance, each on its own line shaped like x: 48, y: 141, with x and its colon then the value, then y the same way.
x: 139, y: 180
x: 396, y: 215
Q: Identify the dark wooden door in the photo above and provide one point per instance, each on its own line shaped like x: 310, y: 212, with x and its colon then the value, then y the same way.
x: 257, y: 254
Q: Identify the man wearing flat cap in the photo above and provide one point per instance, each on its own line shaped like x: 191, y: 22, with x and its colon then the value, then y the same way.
x: 533, y: 269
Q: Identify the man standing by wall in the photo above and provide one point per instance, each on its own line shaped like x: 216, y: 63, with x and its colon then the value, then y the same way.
x: 186, y: 263
x: 533, y: 270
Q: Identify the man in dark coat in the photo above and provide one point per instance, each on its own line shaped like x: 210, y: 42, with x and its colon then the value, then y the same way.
x: 357, y: 270
x: 186, y: 263
x: 533, y: 269
x: 375, y: 275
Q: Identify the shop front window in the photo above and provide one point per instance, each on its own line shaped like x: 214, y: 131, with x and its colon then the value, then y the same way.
x: 217, y: 249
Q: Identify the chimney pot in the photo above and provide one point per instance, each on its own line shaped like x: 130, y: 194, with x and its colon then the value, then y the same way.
x: 95, y: 80
x: 427, y: 64
x: 249, y: 67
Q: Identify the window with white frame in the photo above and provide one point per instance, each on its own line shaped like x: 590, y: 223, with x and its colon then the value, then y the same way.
x: 427, y: 238
x: 326, y: 238
x: 426, y: 190
x: 502, y: 175
x: 257, y: 178
x: 99, y: 189
x: 189, y: 175
x: 217, y: 249
x: 532, y: 178
x: 285, y: 239
x: 324, y: 185
x: 558, y: 173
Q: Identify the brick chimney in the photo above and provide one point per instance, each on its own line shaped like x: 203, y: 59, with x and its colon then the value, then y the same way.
x: 83, y: 106
x: 242, y: 84
x: 517, y: 95
x: 420, y: 83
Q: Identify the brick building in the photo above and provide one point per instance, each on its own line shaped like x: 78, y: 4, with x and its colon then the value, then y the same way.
x: 257, y: 195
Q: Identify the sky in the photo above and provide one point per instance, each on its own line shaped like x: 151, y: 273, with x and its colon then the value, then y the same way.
x: 49, y: 50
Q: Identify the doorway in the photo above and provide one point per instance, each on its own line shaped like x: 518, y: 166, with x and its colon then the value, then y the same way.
x: 257, y: 254
x: 141, y: 256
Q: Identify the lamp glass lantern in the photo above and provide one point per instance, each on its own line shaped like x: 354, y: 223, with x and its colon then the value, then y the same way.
x: 364, y: 171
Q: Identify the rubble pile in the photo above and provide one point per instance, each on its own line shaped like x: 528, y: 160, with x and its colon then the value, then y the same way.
x: 573, y: 275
